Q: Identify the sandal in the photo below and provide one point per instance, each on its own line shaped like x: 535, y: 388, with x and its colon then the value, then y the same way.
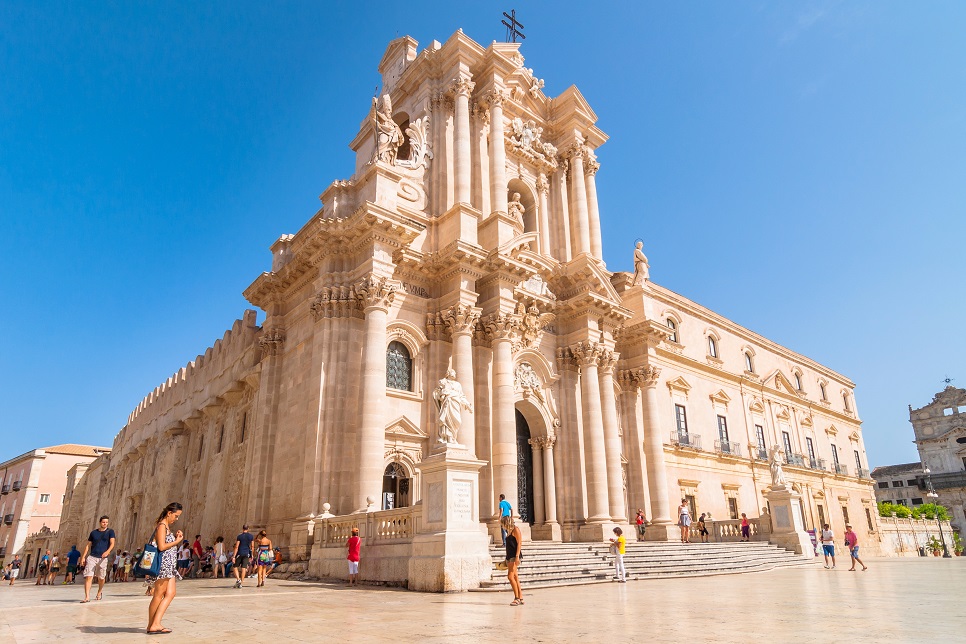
x: 516, y: 602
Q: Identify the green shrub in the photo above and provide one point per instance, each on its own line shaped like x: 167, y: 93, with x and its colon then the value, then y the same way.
x: 930, y: 511
x: 886, y: 509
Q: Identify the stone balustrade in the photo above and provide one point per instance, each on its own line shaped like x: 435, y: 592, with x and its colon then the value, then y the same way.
x: 384, y: 526
x: 730, y: 529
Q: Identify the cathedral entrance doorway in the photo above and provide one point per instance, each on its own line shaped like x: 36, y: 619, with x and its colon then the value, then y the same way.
x: 524, y: 470
x: 395, y: 487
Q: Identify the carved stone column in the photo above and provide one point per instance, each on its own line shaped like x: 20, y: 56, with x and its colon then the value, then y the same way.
x: 549, y: 479
x: 539, y: 504
x: 596, y: 248
x: 612, y: 438
x: 543, y: 190
x: 461, y: 89
x: 501, y: 329
x: 564, y: 218
x: 587, y: 354
x: 497, y: 150
x: 581, y: 218
x: 634, y: 441
x: 461, y: 320
x: 654, y: 451
x: 375, y: 295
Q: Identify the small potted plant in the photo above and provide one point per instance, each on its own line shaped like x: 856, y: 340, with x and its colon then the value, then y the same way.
x: 933, y: 544
x: 957, y: 544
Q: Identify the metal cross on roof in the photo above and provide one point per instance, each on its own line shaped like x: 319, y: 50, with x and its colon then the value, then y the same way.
x: 514, y: 27
x: 948, y: 380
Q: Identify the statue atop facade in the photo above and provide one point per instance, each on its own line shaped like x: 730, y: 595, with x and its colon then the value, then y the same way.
x: 778, y: 479
x: 515, y: 209
x: 641, y: 272
x: 451, y: 401
x: 388, y: 135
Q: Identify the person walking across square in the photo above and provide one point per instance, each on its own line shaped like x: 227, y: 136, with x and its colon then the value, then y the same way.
x: 242, y: 556
x: 852, y: 545
x: 828, y: 545
x: 354, y: 547
x: 505, y: 511
x: 619, y: 544
x: 100, y: 542
x: 164, y: 588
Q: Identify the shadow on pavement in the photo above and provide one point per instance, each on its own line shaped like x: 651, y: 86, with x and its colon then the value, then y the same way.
x: 100, y: 630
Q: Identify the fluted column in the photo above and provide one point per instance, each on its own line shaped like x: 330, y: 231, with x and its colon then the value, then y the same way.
x: 539, y: 505
x: 497, y: 150
x: 587, y: 354
x: 549, y: 480
x: 461, y: 320
x: 564, y: 218
x: 654, y: 448
x: 634, y: 440
x: 543, y: 189
x: 581, y: 218
x: 461, y: 88
x: 500, y: 329
x: 612, y: 438
x: 375, y: 295
x: 596, y: 247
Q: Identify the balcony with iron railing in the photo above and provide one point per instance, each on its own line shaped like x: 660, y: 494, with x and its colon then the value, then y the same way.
x: 5, y: 489
x: 842, y: 469
x: 795, y: 460
x: 3, y: 551
x: 816, y: 464
x: 17, y: 485
x: 8, y: 519
x: 758, y: 452
x: 685, y: 439
x: 863, y: 473
x: 727, y: 447
x: 946, y: 480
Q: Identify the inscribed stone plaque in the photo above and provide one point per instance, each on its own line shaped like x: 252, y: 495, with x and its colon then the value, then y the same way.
x: 435, y: 502
x: 461, y: 500
x: 781, y: 517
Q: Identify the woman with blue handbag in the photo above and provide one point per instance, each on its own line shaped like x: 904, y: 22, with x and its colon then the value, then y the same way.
x: 166, y: 543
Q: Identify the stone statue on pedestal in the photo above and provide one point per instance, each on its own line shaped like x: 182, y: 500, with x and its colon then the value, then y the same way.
x: 641, y: 272
x: 451, y: 401
x: 778, y: 479
x: 388, y: 135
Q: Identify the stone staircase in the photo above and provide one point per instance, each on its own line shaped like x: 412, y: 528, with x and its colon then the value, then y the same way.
x: 566, y: 564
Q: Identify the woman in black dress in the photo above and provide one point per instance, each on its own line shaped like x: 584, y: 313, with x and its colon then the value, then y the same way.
x: 514, y: 542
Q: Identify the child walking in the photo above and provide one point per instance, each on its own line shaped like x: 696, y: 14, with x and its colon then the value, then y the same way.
x: 354, y: 545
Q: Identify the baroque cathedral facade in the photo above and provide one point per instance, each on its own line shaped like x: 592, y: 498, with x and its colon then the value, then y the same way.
x: 469, y: 238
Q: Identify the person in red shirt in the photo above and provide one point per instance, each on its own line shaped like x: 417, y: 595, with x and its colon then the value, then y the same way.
x: 852, y: 545
x: 197, y: 553
x: 354, y: 544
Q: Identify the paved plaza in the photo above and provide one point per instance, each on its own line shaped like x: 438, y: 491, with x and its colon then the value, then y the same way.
x: 909, y: 600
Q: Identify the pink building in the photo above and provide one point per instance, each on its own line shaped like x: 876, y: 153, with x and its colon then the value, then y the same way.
x: 32, y: 488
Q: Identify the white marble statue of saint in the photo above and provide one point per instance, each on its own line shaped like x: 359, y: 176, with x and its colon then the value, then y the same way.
x: 388, y: 134
x: 516, y: 209
x: 778, y: 479
x: 641, y: 272
x: 451, y: 402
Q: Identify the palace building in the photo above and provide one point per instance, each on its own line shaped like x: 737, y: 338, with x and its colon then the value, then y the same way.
x: 468, y: 237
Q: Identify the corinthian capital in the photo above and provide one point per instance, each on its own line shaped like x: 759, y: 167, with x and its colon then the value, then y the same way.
x: 461, y: 86
x: 376, y: 292
x: 592, y: 167
x: 587, y: 353
x: 495, y: 97
x: 543, y: 185
x: 461, y: 319
x: 607, y: 360
x: 646, y: 376
x: 501, y: 326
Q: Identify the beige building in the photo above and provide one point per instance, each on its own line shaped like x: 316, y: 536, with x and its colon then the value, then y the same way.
x: 899, y: 484
x: 468, y: 237
x: 940, y: 429
x: 32, y: 491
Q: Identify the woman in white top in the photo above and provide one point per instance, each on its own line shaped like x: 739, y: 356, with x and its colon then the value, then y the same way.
x: 220, y: 558
x: 684, y: 521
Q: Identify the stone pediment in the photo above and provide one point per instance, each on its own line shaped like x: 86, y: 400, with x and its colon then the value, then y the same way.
x: 780, y: 382
x: 756, y: 406
x: 402, y: 427
x: 679, y: 384
x: 720, y: 397
x: 949, y: 397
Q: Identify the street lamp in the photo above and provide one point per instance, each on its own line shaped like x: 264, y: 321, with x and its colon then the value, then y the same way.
x: 932, y: 495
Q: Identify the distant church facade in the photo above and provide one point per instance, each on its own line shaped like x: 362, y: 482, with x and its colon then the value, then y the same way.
x: 468, y: 238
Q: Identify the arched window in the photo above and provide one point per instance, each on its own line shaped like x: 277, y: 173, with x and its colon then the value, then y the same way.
x: 395, y: 487
x: 821, y: 386
x: 845, y: 399
x: 798, y: 381
x: 712, y: 347
x: 399, y: 367
x: 671, y: 324
x: 749, y: 364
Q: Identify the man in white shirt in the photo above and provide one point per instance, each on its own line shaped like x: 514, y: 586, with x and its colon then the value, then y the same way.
x: 828, y: 545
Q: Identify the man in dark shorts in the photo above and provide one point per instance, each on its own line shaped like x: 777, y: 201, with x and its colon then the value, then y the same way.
x: 72, y: 558
x: 241, y: 558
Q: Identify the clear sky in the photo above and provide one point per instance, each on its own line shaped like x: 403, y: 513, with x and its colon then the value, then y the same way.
x: 798, y: 167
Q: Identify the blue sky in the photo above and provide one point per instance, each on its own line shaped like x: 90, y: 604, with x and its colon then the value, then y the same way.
x: 798, y: 167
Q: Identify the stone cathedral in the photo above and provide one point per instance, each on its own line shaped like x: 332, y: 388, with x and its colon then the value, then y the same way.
x: 464, y: 255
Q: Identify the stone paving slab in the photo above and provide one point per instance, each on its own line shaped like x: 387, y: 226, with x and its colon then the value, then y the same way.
x: 907, y: 600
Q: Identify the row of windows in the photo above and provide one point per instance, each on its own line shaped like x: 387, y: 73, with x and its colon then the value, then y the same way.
x: 750, y: 364
x: 884, y: 485
x: 681, y: 421
x: 915, y: 501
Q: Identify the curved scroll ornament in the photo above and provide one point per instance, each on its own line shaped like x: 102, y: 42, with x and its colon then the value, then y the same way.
x: 421, y: 154
x: 532, y: 323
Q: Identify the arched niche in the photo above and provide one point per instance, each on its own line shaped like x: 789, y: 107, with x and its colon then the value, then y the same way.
x: 528, y: 199
x: 405, y: 149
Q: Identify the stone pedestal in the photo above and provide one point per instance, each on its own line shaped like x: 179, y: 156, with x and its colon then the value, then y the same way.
x: 450, y: 551
x: 546, y: 532
x: 787, y: 524
x: 302, y: 537
x: 662, y: 532
x: 595, y: 532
